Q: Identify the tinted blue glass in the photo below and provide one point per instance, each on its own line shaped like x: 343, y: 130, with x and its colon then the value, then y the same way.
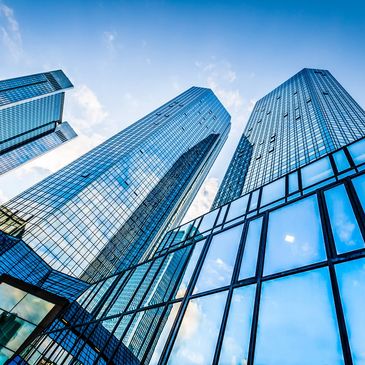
x: 345, y: 229
x: 293, y: 182
x: 359, y: 184
x: 341, y: 161
x: 297, y: 321
x: 251, y: 250
x: 238, y: 328
x: 357, y: 151
x: 208, y: 221
x: 237, y: 207
x: 254, y: 199
x: 197, y: 337
x: 316, y: 172
x: 218, y: 265
x: 294, y: 236
x: 190, y: 269
x: 351, y: 281
x: 273, y: 191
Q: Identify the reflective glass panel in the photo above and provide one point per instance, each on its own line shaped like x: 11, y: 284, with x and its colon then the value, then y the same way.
x: 208, y: 221
x: 297, y: 321
x: 32, y: 308
x: 294, y: 237
x: 198, y: 333
x: 351, y: 281
x: 254, y: 199
x: 359, y: 184
x: 341, y: 160
x: 171, y: 312
x: 190, y: 269
x: 273, y: 191
x: 316, y: 172
x: 218, y: 265
x: 251, y: 250
x: 10, y: 296
x: 357, y: 151
x: 293, y: 182
x: 5, y: 354
x: 221, y: 215
x: 237, y: 333
x: 345, y: 229
x: 237, y: 207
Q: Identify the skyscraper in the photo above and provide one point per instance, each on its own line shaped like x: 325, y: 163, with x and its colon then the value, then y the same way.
x: 31, y: 117
x: 99, y: 214
x: 275, y: 276
x: 304, y: 118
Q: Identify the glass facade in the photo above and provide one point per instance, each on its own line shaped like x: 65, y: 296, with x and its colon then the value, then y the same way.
x: 303, y: 119
x: 272, y: 277
x: 100, y: 214
x: 31, y: 117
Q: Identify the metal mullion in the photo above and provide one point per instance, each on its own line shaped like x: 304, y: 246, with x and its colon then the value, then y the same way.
x: 259, y: 273
x: 331, y: 252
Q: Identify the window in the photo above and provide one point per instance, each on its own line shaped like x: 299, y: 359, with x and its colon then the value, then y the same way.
x: 237, y: 207
x: 254, y: 199
x: 251, y: 248
x: 273, y: 191
x: 218, y: 265
x: 237, y: 333
x: 341, y: 161
x: 293, y: 182
x: 197, y: 336
x: 357, y: 151
x: 316, y: 172
x: 208, y: 221
x: 294, y: 237
x: 190, y: 269
x: 351, y: 282
x: 345, y: 229
x: 297, y: 321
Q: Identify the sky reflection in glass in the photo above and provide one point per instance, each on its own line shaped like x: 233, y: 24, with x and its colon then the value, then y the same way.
x: 297, y: 321
x: 346, y: 232
x: 237, y: 207
x: 273, y: 191
x: 351, y: 281
x: 357, y: 151
x: 316, y: 172
x: 237, y: 334
x: 218, y: 265
x: 341, y: 161
x: 251, y: 249
x: 294, y: 237
x: 196, y: 341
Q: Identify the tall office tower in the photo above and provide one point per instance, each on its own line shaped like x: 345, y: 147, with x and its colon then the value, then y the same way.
x: 31, y: 117
x: 99, y: 214
x: 304, y: 118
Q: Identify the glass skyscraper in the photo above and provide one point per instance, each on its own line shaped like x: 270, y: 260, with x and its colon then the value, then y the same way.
x: 304, y: 118
x: 100, y: 213
x: 31, y: 117
x: 275, y: 276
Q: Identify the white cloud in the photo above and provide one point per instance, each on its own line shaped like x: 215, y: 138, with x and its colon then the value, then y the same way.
x: 83, y: 109
x: 203, y: 200
x: 3, y: 197
x: 10, y: 32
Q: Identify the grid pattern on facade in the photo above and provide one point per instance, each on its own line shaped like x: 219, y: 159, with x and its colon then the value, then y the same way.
x: 73, y: 214
x: 303, y: 119
x: 223, y: 286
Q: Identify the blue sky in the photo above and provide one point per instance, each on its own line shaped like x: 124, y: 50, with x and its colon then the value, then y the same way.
x: 126, y: 58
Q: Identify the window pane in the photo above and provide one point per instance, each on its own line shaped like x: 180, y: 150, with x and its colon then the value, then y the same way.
x: 316, y: 172
x: 237, y: 208
x: 221, y: 215
x: 293, y: 182
x: 208, y: 221
x: 357, y: 151
x: 351, y: 281
x: 251, y: 249
x: 237, y: 334
x: 345, y: 229
x: 359, y: 184
x: 273, y: 191
x: 341, y: 161
x: 197, y: 337
x: 190, y: 269
x: 297, y: 321
x: 173, y: 309
x: 10, y: 296
x: 294, y: 237
x: 219, y: 263
x: 254, y: 199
